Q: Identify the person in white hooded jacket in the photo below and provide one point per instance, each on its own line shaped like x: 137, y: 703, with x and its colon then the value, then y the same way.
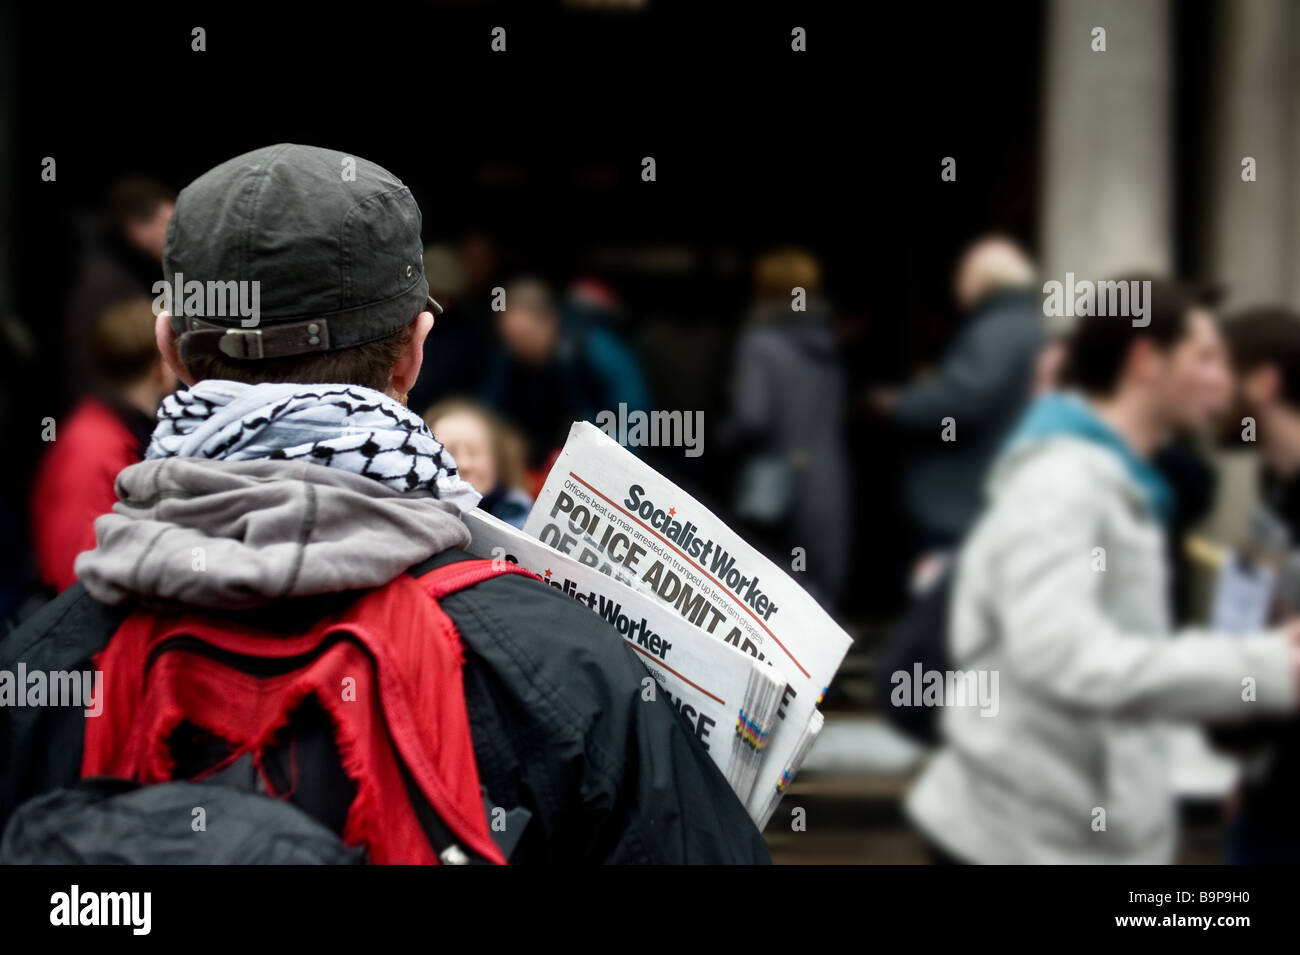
x: 1061, y: 590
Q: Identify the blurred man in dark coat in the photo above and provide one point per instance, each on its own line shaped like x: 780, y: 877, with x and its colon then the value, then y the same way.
x: 982, y: 383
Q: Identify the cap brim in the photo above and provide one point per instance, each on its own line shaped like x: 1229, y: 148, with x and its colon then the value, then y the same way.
x: 431, y: 305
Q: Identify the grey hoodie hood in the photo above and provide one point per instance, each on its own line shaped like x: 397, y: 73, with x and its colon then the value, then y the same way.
x: 238, y: 534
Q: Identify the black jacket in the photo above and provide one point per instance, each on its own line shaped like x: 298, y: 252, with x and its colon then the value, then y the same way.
x: 560, y: 730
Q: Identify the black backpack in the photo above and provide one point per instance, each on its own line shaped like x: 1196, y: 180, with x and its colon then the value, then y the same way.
x: 920, y: 637
x: 103, y: 821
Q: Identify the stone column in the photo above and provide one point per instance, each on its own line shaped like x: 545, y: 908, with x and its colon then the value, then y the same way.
x: 1106, y: 151
x: 1250, y: 232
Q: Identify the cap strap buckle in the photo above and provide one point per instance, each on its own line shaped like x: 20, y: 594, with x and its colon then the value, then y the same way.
x: 242, y: 343
x: 250, y: 344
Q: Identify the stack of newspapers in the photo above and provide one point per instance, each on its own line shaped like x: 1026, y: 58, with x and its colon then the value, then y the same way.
x: 739, y: 649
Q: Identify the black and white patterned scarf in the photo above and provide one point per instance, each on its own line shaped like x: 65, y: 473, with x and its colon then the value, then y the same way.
x: 337, y: 426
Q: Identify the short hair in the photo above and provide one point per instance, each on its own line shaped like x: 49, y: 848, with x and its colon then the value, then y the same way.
x: 1267, y: 336
x: 779, y: 271
x: 369, y: 365
x: 1099, y: 346
x: 532, y: 295
x: 122, y: 344
x: 137, y: 198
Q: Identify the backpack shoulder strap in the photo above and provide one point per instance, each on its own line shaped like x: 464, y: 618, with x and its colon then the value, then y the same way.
x: 450, y: 578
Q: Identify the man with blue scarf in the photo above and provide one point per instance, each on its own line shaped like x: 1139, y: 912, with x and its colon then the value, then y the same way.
x: 1061, y: 590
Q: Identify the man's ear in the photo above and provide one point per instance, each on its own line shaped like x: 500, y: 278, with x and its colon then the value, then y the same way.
x: 1140, y: 361
x: 166, y: 338
x: 407, y: 368
x: 1263, y: 386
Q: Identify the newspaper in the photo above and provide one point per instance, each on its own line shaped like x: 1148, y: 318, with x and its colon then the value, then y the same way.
x: 610, y: 511
x: 726, y: 698
x: 806, y: 740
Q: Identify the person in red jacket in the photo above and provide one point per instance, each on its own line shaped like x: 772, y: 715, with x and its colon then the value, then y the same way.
x: 106, y: 431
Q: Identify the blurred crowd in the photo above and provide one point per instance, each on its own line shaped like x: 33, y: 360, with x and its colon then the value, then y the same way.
x: 515, y: 359
x: 1058, y: 509
x: 1052, y: 489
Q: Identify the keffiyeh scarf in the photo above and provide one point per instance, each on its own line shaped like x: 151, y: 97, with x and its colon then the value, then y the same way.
x: 337, y: 426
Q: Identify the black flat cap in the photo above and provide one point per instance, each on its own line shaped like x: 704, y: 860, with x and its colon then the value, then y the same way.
x: 331, y: 241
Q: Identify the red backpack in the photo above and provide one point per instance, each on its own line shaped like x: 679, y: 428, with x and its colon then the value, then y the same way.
x: 387, y: 672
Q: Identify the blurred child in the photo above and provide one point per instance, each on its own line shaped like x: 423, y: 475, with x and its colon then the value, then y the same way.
x: 480, y: 445
x: 107, y: 430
